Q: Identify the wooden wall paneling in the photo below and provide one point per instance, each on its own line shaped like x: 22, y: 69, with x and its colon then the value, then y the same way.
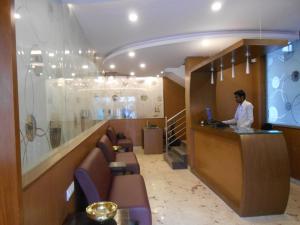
x: 293, y: 143
x: 44, y: 199
x: 189, y: 64
x: 133, y: 128
x: 174, y: 102
x: 174, y: 97
x: 10, y: 166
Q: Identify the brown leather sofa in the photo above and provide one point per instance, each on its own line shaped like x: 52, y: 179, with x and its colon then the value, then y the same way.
x: 128, y: 158
x: 129, y: 191
x: 125, y: 143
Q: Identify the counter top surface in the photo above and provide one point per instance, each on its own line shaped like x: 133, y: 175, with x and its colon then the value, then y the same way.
x: 235, y: 130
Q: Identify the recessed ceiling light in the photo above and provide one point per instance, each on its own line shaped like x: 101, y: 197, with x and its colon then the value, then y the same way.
x: 70, y: 6
x: 51, y: 54
x: 133, y: 17
x: 80, y: 52
x: 85, y: 67
x: 53, y: 66
x: 132, y: 73
x: 143, y: 65
x: 112, y: 66
x: 157, y: 75
x: 131, y: 54
x: 216, y: 6
x: 162, y: 72
x: 73, y: 74
x: 67, y: 52
x: 205, y: 43
x: 17, y: 16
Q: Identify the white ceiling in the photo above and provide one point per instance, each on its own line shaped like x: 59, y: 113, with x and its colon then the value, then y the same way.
x: 160, y: 35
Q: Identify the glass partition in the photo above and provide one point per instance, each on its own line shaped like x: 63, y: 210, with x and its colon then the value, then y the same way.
x: 60, y: 91
x: 283, y: 86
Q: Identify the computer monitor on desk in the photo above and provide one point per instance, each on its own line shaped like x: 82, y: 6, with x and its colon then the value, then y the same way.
x: 211, y: 121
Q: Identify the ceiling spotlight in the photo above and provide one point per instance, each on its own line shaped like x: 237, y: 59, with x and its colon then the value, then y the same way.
x: 51, y: 54
x: 67, y: 52
x: 73, y: 74
x: 85, y: 67
x: 131, y: 54
x: 162, y: 72
x: 17, y: 16
x: 157, y: 75
x: 80, y: 52
x: 112, y: 66
x: 205, y: 43
x: 133, y: 17
x: 70, y: 6
x: 132, y: 73
x: 143, y: 65
x: 216, y: 6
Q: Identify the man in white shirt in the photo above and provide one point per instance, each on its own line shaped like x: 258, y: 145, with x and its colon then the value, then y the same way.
x: 244, y: 113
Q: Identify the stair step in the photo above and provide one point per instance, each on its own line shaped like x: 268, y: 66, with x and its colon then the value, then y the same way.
x: 183, y: 143
x: 180, y: 151
x: 175, y: 161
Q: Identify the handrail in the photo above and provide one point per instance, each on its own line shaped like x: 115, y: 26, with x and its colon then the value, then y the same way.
x: 176, y: 114
x: 177, y: 138
x: 176, y: 121
x: 169, y: 131
x: 168, y: 127
x: 176, y: 133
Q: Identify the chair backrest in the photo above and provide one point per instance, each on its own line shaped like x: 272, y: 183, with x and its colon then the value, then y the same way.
x: 107, y: 148
x: 94, y: 177
x: 112, y: 135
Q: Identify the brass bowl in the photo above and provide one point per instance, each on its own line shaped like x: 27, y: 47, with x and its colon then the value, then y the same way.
x: 101, y: 211
x: 116, y: 147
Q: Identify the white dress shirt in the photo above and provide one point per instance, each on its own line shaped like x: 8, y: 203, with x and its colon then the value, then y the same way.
x: 243, y: 116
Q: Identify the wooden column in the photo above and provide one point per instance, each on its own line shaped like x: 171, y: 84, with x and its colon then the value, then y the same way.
x: 189, y: 64
x: 10, y: 167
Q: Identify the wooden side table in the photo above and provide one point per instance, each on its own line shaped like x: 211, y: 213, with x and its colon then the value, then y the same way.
x: 153, y: 140
x: 121, y: 218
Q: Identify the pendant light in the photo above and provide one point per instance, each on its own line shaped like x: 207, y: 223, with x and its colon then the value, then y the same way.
x: 221, y: 70
x: 212, y: 74
x: 232, y: 66
x: 247, y: 61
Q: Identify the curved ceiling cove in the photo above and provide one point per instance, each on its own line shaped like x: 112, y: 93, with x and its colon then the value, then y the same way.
x: 163, y: 33
x: 176, y: 39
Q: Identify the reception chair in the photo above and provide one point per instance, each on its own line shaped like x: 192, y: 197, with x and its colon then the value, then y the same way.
x: 125, y: 143
x: 128, y: 158
x: 128, y: 192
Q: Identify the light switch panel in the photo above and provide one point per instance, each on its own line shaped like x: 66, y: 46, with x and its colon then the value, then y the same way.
x: 70, y: 191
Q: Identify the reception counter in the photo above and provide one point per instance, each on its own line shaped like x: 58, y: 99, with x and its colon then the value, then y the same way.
x: 248, y: 169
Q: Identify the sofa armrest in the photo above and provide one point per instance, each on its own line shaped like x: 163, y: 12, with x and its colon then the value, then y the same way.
x: 118, y: 167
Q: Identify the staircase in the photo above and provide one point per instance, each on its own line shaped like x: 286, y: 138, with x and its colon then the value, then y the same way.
x: 175, y: 130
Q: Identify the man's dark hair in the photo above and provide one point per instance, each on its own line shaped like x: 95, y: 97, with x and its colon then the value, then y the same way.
x: 240, y: 93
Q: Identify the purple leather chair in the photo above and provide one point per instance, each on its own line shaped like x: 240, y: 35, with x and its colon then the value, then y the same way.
x: 125, y: 143
x: 129, y: 191
x: 129, y: 158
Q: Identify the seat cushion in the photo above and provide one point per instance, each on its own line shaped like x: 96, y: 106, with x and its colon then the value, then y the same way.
x: 107, y: 148
x: 94, y: 177
x: 126, y: 143
x: 130, y: 159
x: 129, y: 191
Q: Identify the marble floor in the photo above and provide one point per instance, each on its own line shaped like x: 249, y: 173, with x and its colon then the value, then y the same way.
x: 177, y: 197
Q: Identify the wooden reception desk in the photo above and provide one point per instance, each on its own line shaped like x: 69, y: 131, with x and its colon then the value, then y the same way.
x: 248, y: 169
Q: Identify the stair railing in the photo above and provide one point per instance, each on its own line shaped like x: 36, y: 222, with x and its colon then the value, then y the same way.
x: 175, y: 128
